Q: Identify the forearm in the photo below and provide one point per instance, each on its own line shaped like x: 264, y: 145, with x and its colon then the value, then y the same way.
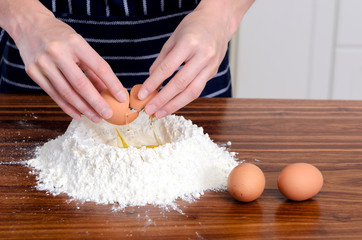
x: 16, y: 15
x: 230, y: 12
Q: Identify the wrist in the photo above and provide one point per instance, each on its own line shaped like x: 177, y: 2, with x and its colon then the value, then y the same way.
x: 229, y: 12
x: 18, y: 16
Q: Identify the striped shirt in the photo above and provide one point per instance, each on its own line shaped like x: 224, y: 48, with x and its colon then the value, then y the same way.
x: 128, y: 34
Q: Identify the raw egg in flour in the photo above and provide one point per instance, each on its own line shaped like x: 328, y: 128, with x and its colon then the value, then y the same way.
x: 122, y: 113
x: 300, y: 181
x: 246, y: 182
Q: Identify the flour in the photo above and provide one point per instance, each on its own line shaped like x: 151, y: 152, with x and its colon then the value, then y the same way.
x: 87, y: 164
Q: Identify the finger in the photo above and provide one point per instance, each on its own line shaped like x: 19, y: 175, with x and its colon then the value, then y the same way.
x: 166, y: 48
x: 176, y: 85
x: 64, y: 89
x: 95, y: 80
x: 192, y: 92
x: 90, y: 59
x: 38, y: 77
x: 82, y: 86
x: 165, y: 69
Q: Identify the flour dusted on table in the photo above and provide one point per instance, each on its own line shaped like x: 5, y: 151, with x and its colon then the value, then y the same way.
x: 87, y: 164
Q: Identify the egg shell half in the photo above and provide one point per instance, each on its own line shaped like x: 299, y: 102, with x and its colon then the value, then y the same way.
x: 135, y: 102
x: 121, y: 113
x: 300, y: 181
x: 246, y: 182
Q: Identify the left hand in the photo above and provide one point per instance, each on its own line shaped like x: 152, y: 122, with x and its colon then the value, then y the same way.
x: 200, y: 42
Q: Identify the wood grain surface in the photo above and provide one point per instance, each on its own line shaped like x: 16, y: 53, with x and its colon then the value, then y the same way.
x: 269, y: 133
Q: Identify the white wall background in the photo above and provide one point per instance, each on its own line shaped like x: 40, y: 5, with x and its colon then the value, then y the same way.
x: 310, y: 49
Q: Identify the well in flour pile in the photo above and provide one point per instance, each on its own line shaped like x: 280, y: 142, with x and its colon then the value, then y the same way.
x: 87, y: 164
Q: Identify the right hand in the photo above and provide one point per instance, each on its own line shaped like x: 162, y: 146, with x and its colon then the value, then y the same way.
x: 55, y: 57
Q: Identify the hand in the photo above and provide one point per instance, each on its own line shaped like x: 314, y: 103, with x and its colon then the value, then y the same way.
x: 200, y: 43
x: 55, y: 55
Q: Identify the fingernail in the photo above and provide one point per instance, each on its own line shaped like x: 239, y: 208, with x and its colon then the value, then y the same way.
x: 161, y: 114
x: 142, y: 94
x: 75, y: 116
x: 121, y: 96
x: 95, y: 118
x: 106, y: 113
x: 151, y: 109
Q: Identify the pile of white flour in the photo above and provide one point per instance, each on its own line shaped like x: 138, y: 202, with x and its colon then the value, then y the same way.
x: 87, y: 164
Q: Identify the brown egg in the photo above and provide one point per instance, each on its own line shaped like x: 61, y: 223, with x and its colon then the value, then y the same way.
x: 121, y: 113
x: 131, y: 116
x: 246, y: 182
x: 137, y: 104
x: 300, y: 181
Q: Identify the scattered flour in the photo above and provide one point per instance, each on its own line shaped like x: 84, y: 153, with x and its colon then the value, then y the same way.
x: 87, y: 164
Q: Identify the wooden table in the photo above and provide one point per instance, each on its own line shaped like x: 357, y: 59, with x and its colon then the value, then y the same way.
x: 270, y: 133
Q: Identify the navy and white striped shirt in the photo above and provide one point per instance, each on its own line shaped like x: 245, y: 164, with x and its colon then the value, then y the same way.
x: 128, y: 34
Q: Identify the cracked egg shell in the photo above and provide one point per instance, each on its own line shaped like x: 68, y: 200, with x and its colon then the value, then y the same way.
x: 137, y: 104
x: 121, y: 113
